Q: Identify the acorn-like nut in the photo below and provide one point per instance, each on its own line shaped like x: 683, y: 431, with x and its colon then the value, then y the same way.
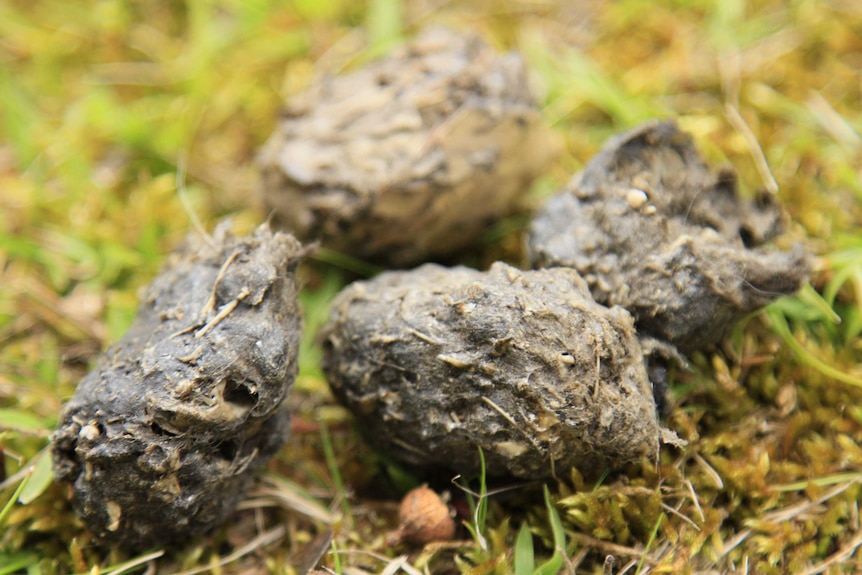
x: 424, y: 517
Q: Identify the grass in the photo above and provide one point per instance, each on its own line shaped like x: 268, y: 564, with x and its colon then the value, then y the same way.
x: 100, y: 101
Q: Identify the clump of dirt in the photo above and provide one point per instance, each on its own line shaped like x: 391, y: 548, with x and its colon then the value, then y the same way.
x: 410, y: 158
x: 436, y: 362
x: 160, y: 440
x: 651, y: 229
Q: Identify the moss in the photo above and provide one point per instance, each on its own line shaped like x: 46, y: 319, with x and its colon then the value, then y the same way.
x: 99, y: 103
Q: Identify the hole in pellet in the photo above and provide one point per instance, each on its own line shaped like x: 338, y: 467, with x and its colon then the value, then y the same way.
x: 159, y: 430
x: 239, y: 394
x: 747, y: 236
x: 228, y: 450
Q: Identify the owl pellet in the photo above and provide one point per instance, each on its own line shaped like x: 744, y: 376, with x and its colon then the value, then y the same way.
x: 161, y: 438
x: 653, y: 230
x: 410, y: 157
x: 437, y: 362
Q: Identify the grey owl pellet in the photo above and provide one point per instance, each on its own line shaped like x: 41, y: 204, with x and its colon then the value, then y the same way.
x: 651, y: 229
x: 161, y: 438
x: 437, y: 362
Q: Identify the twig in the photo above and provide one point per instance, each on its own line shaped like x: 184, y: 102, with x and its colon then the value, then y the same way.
x: 710, y: 470
x: 210, y: 305
x: 261, y: 540
x: 401, y: 560
x: 283, y: 495
x: 182, y: 169
x: 394, y: 565
x: 135, y: 563
x: 614, y: 548
x: 224, y: 311
x: 839, y: 128
x: 738, y: 122
x: 26, y: 470
x: 844, y: 553
x: 734, y: 542
x: 501, y: 411
x: 688, y: 520
x: 786, y: 514
x: 694, y: 499
x: 729, y: 67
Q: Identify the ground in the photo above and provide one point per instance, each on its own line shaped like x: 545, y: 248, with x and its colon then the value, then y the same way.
x: 109, y: 107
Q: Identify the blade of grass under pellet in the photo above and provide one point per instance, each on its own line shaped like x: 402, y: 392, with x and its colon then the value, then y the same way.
x: 127, y: 566
x: 523, y: 558
x: 482, y: 505
x: 334, y: 472
x: 555, y: 563
x: 39, y: 480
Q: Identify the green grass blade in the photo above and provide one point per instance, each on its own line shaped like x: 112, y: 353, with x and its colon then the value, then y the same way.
x: 601, y: 479
x: 15, y: 563
x: 127, y: 566
x: 334, y: 472
x: 482, y: 505
x: 649, y: 543
x: 11, y: 503
x: 555, y: 563
x: 346, y: 262
x: 336, y: 558
x: 384, y: 24
x: 523, y: 559
x: 18, y: 419
x: 815, y: 301
x: 826, y: 481
x: 779, y: 324
x: 40, y: 479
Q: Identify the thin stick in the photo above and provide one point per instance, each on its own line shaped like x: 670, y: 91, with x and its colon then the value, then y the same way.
x: 223, y: 313
x: 688, y: 520
x: 614, y: 548
x: 182, y: 169
x: 135, y: 563
x: 738, y: 122
x: 694, y: 499
x: 401, y: 560
x: 210, y: 305
x: 501, y: 411
x: 710, y: 470
x: 729, y: 68
x: 839, y: 556
x: 261, y: 540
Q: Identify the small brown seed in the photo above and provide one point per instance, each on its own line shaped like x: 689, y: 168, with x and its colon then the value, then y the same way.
x: 424, y: 517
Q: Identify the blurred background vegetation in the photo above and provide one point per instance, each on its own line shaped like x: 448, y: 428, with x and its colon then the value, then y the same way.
x: 106, y: 106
